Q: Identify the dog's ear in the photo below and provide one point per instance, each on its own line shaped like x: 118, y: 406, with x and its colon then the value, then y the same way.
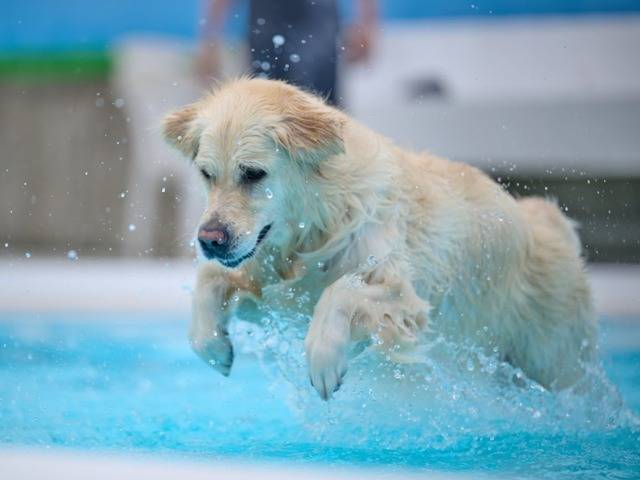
x: 308, y: 129
x: 178, y: 129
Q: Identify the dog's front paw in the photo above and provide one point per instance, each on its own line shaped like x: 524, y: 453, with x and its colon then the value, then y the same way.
x: 216, y: 351
x: 327, y: 358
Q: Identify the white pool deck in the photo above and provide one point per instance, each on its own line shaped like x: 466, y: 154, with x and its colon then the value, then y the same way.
x: 37, y: 465
x: 89, y: 284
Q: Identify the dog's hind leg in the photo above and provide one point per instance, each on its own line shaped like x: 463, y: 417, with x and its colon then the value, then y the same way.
x: 352, y: 309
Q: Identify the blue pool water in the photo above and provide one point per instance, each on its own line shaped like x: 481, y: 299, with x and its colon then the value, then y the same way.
x: 130, y: 383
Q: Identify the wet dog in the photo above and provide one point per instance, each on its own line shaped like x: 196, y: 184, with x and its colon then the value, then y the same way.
x: 375, y: 242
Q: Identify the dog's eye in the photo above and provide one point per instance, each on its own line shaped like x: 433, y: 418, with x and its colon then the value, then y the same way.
x: 206, y: 174
x: 252, y: 175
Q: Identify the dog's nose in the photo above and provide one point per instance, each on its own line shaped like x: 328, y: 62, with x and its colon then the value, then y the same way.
x: 214, y: 239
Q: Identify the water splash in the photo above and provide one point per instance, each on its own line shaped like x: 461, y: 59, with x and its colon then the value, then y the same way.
x: 453, y: 395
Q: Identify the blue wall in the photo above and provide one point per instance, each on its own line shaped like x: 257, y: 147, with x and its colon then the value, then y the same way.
x: 93, y: 25
x: 458, y: 8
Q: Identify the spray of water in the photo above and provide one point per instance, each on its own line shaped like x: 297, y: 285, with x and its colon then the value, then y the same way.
x: 455, y: 392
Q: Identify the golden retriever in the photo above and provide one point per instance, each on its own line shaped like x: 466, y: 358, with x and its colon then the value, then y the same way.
x: 308, y: 208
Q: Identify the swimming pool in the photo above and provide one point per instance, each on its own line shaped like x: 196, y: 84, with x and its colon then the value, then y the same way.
x: 129, y: 383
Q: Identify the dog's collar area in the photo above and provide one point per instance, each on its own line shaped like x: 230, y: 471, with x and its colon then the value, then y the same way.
x: 232, y: 263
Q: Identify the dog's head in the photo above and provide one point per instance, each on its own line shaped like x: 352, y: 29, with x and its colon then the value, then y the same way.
x: 255, y: 143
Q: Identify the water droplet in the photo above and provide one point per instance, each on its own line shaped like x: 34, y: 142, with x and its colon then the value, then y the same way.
x: 261, y: 21
x: 356, y: 281
x: 266, y: 66
x: 492, y: 366
x: 294, y: 57
x: 278, y: 41
x: 72, y: 255
x: 163, y: 189
x: 268, y: 193
x: 470, y: 365
x: 123, y: 194
x: 132, y: 227
x: 301, y: 225
x: 27, y: 254
x: 119, y: 103
x: 6, y: 245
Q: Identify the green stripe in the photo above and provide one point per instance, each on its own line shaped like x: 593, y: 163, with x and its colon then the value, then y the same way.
x: 47, y: 66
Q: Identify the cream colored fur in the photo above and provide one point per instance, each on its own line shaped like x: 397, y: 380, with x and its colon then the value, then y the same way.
x: 385, y: 244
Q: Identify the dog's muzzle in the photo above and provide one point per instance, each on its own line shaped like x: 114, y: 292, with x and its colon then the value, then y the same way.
x: 216, y: 243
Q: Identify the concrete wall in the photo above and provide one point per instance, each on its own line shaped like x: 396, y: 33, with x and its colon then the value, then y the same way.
x: 63, y: 162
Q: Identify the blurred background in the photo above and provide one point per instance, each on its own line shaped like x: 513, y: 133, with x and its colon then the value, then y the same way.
x: 544, y: 96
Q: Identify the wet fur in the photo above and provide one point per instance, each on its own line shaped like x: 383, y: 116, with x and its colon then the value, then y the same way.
x: 394, y: 243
